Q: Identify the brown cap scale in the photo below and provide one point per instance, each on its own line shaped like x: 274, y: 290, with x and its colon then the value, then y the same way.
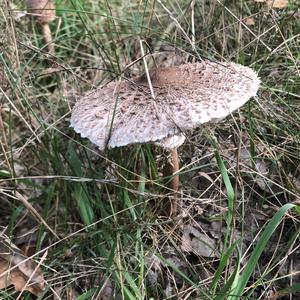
x: 124, y: 112
x: 44, y: 12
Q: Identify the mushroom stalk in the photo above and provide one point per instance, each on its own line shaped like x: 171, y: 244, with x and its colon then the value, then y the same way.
x: 44, y: 12
x: 47, y: 35
x: 171, y: 168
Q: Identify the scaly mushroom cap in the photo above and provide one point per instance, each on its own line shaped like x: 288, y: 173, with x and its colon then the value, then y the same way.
x: 124, y: 112
x: 43, y: 10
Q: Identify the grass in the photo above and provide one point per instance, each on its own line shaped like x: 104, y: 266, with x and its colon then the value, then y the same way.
x: 96, y: 213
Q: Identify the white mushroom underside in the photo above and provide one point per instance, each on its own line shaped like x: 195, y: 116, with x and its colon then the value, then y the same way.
x: 171, y: 142
x: 123, y: 112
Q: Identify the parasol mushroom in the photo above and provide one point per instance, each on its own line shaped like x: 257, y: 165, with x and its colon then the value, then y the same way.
x: 44, y: 12
x: 125, y: 112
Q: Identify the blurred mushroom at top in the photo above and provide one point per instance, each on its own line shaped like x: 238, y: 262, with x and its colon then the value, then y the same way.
x: 44, y: 12
x: 179, y: 99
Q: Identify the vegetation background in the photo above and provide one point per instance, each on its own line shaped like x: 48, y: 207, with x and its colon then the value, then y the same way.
x: 95, y: 213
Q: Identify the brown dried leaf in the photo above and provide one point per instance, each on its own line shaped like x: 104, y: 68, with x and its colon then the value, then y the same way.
x: 18, y: 270
x: 198, y: 243
x: 19, y: 279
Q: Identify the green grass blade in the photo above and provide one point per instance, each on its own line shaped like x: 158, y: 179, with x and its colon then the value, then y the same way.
x: 222, y: 265
x: 261, y: 245
x: 230, y: 193
x: 87, y: 295
x: 226, y: 289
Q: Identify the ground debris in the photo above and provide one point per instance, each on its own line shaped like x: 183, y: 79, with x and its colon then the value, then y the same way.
x: 198, y: 243
x: 19, y: 270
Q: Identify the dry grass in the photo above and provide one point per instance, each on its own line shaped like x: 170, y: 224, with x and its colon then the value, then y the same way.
x: 95, y: 212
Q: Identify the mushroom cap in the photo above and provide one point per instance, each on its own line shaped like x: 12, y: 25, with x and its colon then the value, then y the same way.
x: 42, y: 10
x: 123, y: 112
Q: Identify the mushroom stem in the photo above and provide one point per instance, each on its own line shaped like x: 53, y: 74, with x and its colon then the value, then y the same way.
x: 46, y: 31
x: 44, y: 12
x: 171, y: 167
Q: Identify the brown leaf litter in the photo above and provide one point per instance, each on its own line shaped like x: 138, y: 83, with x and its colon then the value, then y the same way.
x: 19, y: 270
